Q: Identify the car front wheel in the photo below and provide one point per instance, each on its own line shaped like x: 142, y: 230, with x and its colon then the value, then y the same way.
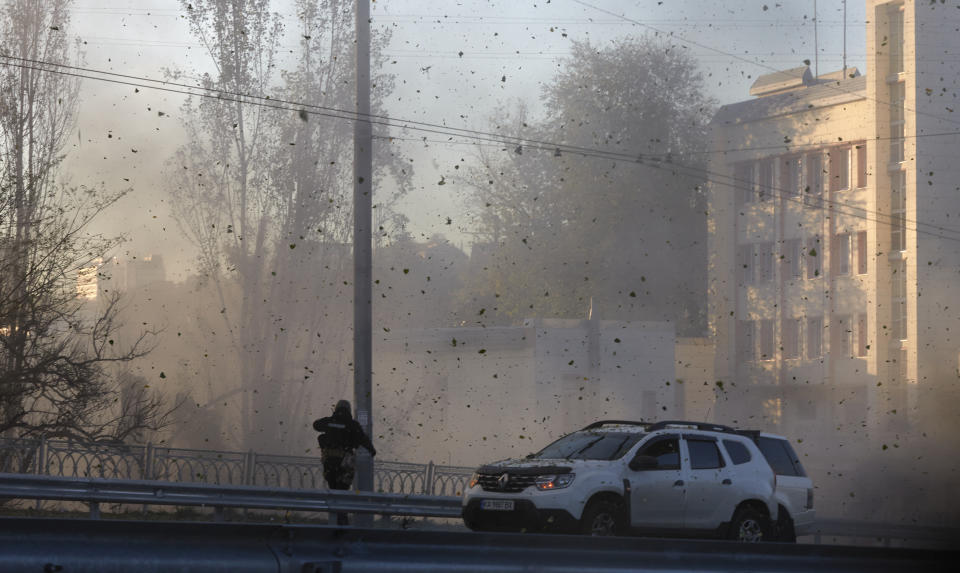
x: 749, y: 526
x: 603, y: 518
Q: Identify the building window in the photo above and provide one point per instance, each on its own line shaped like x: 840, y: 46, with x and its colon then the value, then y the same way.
x: 766, y: 340
x: 897, y: 97
x: 861, y: 165
x: 745, y: 264
x: 898, y: 212
x: 764, y: 262
x: 898, y: 296
x: 790, y: 176
x: 842, y: 342
x: 746, y: 351
x: 903, y: 370
x: 648, y: 405
x: 895, y: 39
x: 861, y: 252
x: 862, y: 336
x: 840, y: 169
x: 814, y: 188
x: 790, y: 257
x: 814, y: 334
x: 766, y: 180
x: 841, y: 254
x: 812, y: 257
x: 790, y: 332
x: 743, y: 182
x: 773, y: 411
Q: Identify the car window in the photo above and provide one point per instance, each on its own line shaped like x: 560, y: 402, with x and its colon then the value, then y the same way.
x: 590, y: 446
x: 781, y: 457
x: 739, y: 454
x: 704, y: 454
x: 667, y: 452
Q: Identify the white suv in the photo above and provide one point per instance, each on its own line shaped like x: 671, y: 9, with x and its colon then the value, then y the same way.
x: 666, y: 478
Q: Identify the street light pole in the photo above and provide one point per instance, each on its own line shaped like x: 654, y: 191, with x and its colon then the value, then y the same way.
x: 362, y: 249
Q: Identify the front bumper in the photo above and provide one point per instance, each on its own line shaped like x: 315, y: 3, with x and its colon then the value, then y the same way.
x: 524, y: 517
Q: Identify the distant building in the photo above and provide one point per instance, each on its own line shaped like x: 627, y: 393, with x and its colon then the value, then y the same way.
x: 834, y: 270
x: 479, y: 393
x: 88, y: 280
x: 119, y: 275
x: 143, y: 271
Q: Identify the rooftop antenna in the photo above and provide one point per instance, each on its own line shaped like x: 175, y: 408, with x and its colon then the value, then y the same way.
x: 844, y: 38
x: 816, y: 42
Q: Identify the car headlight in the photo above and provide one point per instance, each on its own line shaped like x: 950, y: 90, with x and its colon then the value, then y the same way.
x: 474, y: 479
x: 549, y: 482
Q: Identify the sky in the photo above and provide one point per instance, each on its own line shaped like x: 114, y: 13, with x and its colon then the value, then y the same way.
x: 455, y: 63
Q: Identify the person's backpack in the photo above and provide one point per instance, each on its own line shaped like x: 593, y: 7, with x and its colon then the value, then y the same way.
x: 325, y: 441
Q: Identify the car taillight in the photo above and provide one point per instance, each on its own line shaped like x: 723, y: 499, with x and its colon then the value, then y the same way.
x: 810, y: 498
x: 474, y: 479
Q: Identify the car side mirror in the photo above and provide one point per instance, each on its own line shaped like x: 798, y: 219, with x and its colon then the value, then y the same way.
x: 641, y: 462
x: 529, y: 456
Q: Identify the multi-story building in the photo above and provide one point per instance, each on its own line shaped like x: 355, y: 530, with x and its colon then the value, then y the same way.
x: 834, y: 290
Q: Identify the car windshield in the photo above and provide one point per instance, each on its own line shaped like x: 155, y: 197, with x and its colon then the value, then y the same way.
x: 590, y: 446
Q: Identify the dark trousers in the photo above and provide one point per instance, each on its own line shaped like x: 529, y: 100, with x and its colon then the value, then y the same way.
x: 338, y: 471
x: 337, y: 475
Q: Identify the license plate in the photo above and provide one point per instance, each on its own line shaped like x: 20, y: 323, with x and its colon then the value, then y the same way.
x: 497, y: 504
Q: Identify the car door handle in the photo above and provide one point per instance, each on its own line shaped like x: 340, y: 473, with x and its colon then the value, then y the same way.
x: 678, y: 482
x: 726, y: 482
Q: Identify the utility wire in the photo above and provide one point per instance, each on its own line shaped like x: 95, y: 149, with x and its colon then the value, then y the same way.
x: 341, y: 113
x: 659, y: 161
x: 325, y: 111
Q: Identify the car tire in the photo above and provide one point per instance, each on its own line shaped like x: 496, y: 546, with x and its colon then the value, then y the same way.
x: 749, y: 526
x: 785, y: 532
x: 603, y: 517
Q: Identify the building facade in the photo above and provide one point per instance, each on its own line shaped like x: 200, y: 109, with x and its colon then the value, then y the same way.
x: 834, y: 271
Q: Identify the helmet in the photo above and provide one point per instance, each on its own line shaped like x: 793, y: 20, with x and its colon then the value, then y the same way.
x: 343, y: 407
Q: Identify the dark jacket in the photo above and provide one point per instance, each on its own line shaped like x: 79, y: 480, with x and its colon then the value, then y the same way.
x: 341, y: 431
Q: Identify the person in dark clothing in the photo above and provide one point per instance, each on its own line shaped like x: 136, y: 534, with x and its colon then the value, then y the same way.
x: 340, y: 435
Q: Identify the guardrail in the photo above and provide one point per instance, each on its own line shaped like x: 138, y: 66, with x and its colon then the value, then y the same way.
x: 884, y: 533
x: 95, y: 491
x: 107, y: 546
x: 152, y: 462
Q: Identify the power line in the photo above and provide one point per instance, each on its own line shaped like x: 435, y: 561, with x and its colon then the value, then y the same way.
x: 657, y: 161
x: 341, y: 113
x: 325, y: 111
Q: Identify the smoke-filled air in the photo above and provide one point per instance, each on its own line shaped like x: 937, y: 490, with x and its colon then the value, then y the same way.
x: 736, y: 212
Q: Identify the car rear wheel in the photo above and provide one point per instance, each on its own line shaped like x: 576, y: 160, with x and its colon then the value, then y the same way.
x: 749, y: 526
x: 784, y: 531
x: 602, y: 518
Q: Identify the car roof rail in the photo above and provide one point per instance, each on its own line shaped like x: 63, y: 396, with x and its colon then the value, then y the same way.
x: 601, y: 423
x: 707, y: 426
x: 752, y: 434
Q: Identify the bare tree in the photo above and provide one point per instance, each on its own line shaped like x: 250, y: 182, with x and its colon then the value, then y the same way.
x: 57, y: 349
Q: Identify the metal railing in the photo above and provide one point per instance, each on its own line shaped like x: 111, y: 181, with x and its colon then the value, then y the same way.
x: 151, y: 462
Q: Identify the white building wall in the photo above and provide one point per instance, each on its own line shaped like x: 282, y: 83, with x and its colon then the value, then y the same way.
x: 936, y: 207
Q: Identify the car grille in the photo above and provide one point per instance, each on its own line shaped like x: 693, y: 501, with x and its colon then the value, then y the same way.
x: 515, y: 483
